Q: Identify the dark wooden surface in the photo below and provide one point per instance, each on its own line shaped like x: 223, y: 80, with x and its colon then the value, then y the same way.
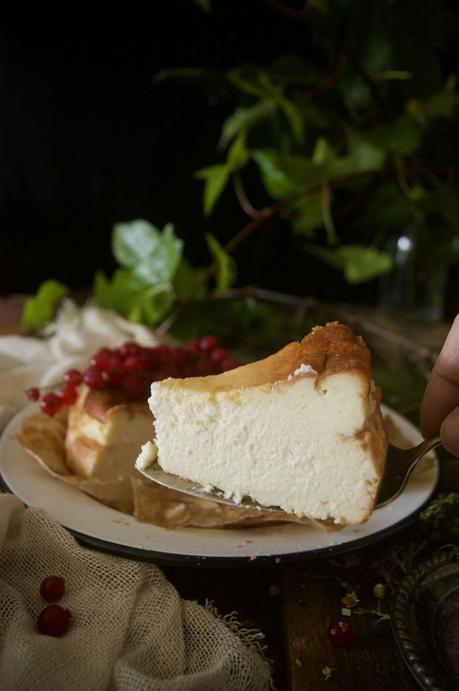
x: 293, y: 606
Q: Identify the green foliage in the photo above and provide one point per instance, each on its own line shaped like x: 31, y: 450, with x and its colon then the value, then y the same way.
x: 143, y: 290
x: 215, y: 178
x: 358, y: 263
x: 40, y: 309
x: 226, y: 266
x: 365, y: 127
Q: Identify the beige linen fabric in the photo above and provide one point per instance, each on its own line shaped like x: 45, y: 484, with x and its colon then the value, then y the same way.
x: 130, y: 629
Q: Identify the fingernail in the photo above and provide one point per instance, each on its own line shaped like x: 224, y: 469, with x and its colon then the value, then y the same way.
x: 449, y: 432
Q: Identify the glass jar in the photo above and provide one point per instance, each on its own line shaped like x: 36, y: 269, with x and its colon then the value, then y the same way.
x: 415, y: 288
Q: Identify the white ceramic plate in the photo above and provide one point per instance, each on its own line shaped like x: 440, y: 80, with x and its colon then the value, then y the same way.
x: 109, y: 530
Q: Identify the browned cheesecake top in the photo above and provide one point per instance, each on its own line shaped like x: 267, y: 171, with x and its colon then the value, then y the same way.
x: 327, y: 349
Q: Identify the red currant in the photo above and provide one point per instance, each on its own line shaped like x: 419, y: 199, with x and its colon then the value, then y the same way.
x: 52, y: 588
x: 51, y: 404
x: 73, y: 376
x: 194, y: 344
x: 33, y: 394
x: 218, y: 355
x: 114, y: 376
x: 339, y: 634
x: 53, y: 620
x: 132, y: 386
x: 163, y: 351
x: 129, y: 348
x: 182, y: 357
x: 68, y: 394
x: 132, y: 363
x: 229, y: 363
x: 100, y: 361
x: 93, y: 378
x: 209, y: 343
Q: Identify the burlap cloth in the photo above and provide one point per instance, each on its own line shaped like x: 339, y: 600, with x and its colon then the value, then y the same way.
x: 130, y: 629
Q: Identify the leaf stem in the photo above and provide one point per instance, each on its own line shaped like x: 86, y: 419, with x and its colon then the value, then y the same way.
x: 242, y: 198
x: 327, y: 214
x: 327, y: 82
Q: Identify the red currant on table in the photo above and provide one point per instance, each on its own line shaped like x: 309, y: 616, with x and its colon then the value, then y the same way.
x: 33, y: 394
x: 340, y: 634
x: 51, y: 404
x: 53, y: 620
x: 52, y: 588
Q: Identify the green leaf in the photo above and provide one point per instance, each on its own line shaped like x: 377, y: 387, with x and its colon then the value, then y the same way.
x: 395, y: 75
x: 294, y: 117
x: 133, y: 297
x: 215, y: 178
x: 276, y: 181
x: 226, y: 266
x: 323, y: 152
x: 153, y: 255
x: 152, y: 305
x: 365, y: 154
x: 133, y: 240
x: 307, y: 215
x: 189, y: 281
x: 39, y: 310
x: 203, y: 4
x: 401, y: 137
x: 358, y: 263
x: 246, y: 79
x: 238, y: 155
x: 245, y: 118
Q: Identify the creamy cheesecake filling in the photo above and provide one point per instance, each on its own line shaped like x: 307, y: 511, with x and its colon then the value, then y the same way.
x: 311, y: 445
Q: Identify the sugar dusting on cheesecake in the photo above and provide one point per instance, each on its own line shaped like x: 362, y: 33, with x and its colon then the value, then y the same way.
x: 302, y: 369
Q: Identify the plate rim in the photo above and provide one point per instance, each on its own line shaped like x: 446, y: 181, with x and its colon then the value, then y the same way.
x: 197, y: 560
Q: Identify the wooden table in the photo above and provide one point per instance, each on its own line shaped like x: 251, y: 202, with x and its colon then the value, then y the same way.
x: 293, y: 605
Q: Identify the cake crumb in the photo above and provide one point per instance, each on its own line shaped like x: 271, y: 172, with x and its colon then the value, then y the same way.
x: 327, y: 672
x: 274, y: 590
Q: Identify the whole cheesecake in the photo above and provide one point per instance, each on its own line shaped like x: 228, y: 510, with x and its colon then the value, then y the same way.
x: 301, y: 429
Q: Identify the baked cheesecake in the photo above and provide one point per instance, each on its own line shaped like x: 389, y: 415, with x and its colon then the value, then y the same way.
x: 104, y: 432
x: 301, y: 429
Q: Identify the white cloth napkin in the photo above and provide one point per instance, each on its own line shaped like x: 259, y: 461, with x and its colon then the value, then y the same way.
x: 130, y: 630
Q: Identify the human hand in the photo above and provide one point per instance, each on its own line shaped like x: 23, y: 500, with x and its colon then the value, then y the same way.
x: 440, y: 405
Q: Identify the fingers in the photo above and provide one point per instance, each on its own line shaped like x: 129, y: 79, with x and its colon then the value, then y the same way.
x: 449, y: 432
x: 442, y: 392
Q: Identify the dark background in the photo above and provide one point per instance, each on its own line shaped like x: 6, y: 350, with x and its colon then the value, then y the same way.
x: 87, y: 139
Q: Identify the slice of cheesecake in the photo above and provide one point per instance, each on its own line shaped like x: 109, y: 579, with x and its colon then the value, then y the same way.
x: 104, y: 432
x: 301, y: 429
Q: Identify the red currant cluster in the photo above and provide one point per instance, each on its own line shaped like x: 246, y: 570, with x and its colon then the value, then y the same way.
x: 53, y: 620
x: 131, y: 369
